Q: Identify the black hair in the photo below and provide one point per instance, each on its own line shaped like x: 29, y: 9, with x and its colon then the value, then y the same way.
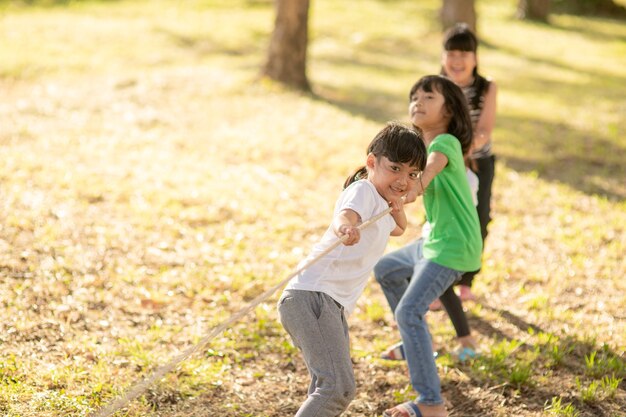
x: 460, y: 124
x: 461, y: 38
x: 397, y: 143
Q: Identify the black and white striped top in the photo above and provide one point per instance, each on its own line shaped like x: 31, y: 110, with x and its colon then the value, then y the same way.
x: 475, y: 110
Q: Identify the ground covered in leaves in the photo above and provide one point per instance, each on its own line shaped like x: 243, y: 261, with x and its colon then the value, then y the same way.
x: 154, y: 187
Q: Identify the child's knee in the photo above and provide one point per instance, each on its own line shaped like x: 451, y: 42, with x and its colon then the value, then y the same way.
x: 382, y: 270
x: 345, y: 394
x: 350, y: 391
x: 407, y: 314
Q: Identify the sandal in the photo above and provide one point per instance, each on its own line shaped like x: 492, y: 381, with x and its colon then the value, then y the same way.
x: 394, y: 353
x: 407, y: 409
x: 410, y: 409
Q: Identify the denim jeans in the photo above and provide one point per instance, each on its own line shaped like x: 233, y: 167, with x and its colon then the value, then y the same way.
x: 410, y: 284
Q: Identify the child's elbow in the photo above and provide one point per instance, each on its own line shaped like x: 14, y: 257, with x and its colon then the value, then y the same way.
x: 398, y: 231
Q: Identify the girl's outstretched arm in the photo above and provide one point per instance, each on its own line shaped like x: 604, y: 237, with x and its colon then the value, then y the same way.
x: 435, y: 163
x: 345, y: 223
x: 487, y: 120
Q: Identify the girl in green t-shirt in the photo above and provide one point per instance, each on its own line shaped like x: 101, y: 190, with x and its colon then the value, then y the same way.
x: 416, y: 275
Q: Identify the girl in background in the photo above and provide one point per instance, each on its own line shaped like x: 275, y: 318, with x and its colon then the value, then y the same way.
x: 459, y: 63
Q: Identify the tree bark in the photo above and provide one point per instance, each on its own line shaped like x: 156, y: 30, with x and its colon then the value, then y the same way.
x: 533, y: 10
x: 458, y: 11
x: 286, y: 58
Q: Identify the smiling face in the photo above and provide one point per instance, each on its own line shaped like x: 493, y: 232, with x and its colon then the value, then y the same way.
x: 427, y: 110
x: 391, y: 179
x: 459, y: 66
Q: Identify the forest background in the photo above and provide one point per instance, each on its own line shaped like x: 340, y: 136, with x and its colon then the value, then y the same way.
x: 152, y: 184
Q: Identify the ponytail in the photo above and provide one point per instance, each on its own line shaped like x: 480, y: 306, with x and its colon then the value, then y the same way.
x: 359, y: 174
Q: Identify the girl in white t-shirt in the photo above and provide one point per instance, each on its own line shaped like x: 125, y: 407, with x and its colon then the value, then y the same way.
x: 315, y: 303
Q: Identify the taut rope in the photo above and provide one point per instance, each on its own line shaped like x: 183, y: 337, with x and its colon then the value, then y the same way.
x: 139, y: 387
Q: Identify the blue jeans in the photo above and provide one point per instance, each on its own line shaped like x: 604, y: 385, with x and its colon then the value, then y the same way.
x: 410, y: 284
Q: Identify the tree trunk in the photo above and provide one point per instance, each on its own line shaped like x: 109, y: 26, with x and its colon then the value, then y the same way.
x: 533, y: 10
x: 286, y: 58
x: 458, y: 11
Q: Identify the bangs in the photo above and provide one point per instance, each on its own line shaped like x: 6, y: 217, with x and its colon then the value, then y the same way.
x: 461, y: 42
x: 404, y: 149
x: 428, y: 84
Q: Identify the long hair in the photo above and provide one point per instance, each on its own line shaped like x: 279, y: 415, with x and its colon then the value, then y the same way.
x: 397, y: 143
x: 461, y: 38
x: 460, y: 124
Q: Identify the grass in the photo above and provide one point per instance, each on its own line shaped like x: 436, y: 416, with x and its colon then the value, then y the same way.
x: 557, y: 408
x: 152, y: 185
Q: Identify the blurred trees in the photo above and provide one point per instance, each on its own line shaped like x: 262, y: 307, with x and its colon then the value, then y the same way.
x: 458, y: 11
x: 606, y: 8
x: 540, y: 9
x: 533, y: 10
x: 287, y: 53
x: 286, y: 57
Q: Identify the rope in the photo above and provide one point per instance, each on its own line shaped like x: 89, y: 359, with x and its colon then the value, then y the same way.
x: 139, y: 387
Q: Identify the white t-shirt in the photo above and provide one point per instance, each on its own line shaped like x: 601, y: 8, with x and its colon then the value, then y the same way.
x: 472, y: 178
x: 344, y: 271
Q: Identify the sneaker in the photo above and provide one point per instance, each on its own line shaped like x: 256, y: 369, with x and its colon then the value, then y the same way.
x: 465, y: 353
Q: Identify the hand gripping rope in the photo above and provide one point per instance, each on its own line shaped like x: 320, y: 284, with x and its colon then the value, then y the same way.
x: 139, y: 387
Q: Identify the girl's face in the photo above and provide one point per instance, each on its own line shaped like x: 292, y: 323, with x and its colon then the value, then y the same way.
x: 427, y: 110
x: 391, y: 179
x: 459, y: 66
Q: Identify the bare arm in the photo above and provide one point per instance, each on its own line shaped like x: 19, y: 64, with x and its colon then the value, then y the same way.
x: 487, y: 120
x: 345, y: 223
x: 399, y: 216
x: 435, y: 163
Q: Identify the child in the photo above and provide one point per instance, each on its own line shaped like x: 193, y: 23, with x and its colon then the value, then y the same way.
x: 450, y: 301
x: 459, y: 64
x: 315, y: 303
x: 413, y: 276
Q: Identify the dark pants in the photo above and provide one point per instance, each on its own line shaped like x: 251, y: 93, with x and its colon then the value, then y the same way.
x: 485, y: 169
x: 454, y: 308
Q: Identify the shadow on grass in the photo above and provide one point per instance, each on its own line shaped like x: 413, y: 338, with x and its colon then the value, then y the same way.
x: 484, y: 327
x: 210, y: 45
x: 571, y: 364
x: 556, y: 152
x: 369, y: 103
x: 462, y: 405
x: 559, y: 153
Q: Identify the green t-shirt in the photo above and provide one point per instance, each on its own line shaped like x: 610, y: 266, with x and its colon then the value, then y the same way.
x: 454, y: 240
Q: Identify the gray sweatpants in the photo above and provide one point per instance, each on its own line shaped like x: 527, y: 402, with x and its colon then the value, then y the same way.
x: 318, y: 327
